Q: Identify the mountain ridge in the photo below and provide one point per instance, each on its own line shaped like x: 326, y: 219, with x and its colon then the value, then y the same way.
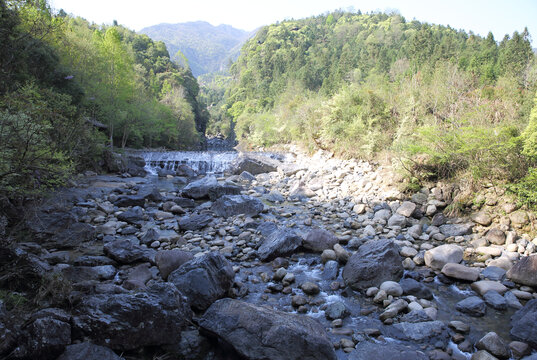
x: 206, y: 47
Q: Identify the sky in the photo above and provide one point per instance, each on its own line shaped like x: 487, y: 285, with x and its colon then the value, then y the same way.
x: 480, y: 16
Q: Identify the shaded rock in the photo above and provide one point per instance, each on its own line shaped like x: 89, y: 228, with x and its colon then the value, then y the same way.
x: 428, y: 332
x: 74, y: 235
x: 375, y: 261
x: 230, y: 205
x: 78, y: 274
x: 259, y: 333
x: 200, y: 189
x: 310, y: 288
x: 397, y: 220
x: 523, y: 324
x: 115, y: 320
x: 185, y: 170
x: 129, y: 200
x: 524, y: 271
x: 495, y: 236
x: 88, y: 351
x: 336, y: 310
x: 125, y: 251
x: 224, y: 189
x: 253, y: 164
x: 204, y: 279
x: 494, y: 344
x: 281, y: 242
x: 495, y: 300
x: 493, y: 273
x: 406, y: 209
x: 483, y: 286
x: 44, y: 338
x: 275, y: 196
x: 483, y: 355
x: 366, y: 350
x: 319, y: 239
x: 456, y: 229
x: 169, y: 260
x: 473, y: 306
x: 439, y: 256
x: 195, y: 222
x: 460, y: 272
x: 138, y: 277
x: 134, y: 216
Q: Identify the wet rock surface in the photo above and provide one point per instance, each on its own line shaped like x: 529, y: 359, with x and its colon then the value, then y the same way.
x: 323, y: 258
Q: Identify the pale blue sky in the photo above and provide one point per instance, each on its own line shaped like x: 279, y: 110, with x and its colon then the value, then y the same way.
x: 499, y: 16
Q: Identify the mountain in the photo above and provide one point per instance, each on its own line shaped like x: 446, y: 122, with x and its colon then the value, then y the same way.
x: 207, y: 48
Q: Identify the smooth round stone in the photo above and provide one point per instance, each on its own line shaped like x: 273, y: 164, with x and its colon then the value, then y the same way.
x: 409, y: 264
x: 392, y: 288
x: 459, y: 326
x: 310, y: 288
x: 408, y: 251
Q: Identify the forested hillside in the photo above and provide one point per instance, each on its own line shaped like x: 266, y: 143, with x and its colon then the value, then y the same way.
x: 69, y: 88
x: 205, y: 48
x: 440, y: 100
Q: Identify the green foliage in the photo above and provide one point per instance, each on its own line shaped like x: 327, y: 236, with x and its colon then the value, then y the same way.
x: 529, y: 135
x: 13, y: 300
x: 526, y: 189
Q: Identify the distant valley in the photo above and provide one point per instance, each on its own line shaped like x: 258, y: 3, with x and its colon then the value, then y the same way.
x: 207, y: 48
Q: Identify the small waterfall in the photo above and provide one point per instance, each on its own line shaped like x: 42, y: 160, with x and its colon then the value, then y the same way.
x: 202, y: 162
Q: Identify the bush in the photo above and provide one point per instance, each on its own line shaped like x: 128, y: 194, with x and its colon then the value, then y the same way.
x: 526, y: 189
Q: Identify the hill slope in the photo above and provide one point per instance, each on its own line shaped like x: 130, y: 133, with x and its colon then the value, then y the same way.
x: 208, y: 48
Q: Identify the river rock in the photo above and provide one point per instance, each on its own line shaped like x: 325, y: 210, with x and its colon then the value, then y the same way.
x: 495, y: 236
x: 88, y: 351
x: 280, y: 242
x: 456, y: 229
x: 397, y: 220
x: 473, y: 306
x: 439, y: 256
x: 260, y: 333
x: 427, y: 332
x: 230, y: 205
x: 482, y: 218
x: 74, y: 235
x: 336, y: 310
x: 523, y: 324
x: 204, y: 279
x: 415, y: 288
x: 224, y: 189
x: 494, y: 344
x: 200, y: 189
x: 461, y: 272
x: 134, y: 216
x: 195, y: 221
x: 524, y: 271
x: 375, y: 261
x: 138, y: 277
x: 483, y: 286
x: 493, y: 273
x: 495, y: 300
x: 519, y: 218
x: 318, y: 240
x: 115, y: 320
x: 125, y: 251
x: 391, y: 288
x: 406, y: 209
x: 129, y: 200
x: 366, y: 350
x: 253, y: 164
x: 78, y: 274
x: 169, y: 260
x: 483, y: 355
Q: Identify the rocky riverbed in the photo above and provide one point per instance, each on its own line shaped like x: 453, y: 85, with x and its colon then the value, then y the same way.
x: 317, y: 258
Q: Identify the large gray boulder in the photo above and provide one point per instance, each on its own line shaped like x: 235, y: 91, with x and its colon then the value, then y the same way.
x: 456, y: 229
x: 204, y: 279
x: 169, y: 260
x: 318, y: 240
x: 195, y: 221
x: 253, y: 164
x: 260, y: 333
x: 375, y: 261
x: 88, y: 351
x: 130, y: 321
x: 427, y: 332
x: 229, y: 205
x: 200, y: 189
x: 441, y: 255
x: 523, y: 324
x: 279, y: 242
x: 366, y: 350
x: 524, y: 271
x: 127, y: 251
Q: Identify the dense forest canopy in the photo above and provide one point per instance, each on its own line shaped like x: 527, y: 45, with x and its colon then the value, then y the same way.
x: 69, y: 87
x: 440, y: 99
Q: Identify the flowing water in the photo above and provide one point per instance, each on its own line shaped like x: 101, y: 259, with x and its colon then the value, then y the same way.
x: 202, y: 162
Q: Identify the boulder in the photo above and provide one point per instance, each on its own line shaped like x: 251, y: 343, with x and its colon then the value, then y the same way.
x: 129, y: 200
x: 439, y: 256
x: 185, y: 170
x: 456, y: 229
x: 125, y: 251
x: 494, y: 344
x: 473, y: 306
x: 259, y: 333
x: 130, y: 321
x: 415, y: 288
x: 204, y: 279
x: 200, y: 189
x: 366, y: 350
x: 524, y: 271
x: 427, y: 332
x: 279, y: 242
x: 495, y: 300
x: 482, y: 218
x: 195, y: 221
x: 169, y: 260
x: 134, y: 216
x: 523, y: 324
x: 406, y: 209
x: 495, y: 236
x: 483, y: 286
x: 88, y: 351
x: 253, y: 164
x: 224, y: 189
x: 230, y: 205
x: 319, y: 239
x: 461, y: 272
x: 375, y: 261
x: 397, y: 220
